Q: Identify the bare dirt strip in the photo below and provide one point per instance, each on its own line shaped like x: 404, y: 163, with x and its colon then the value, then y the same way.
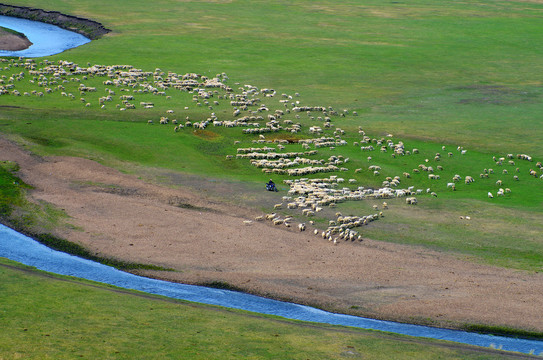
x: 119, y: 215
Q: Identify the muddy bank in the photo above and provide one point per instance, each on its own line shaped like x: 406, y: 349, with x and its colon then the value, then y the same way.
x: 11, y: 41
x: 89, y: 28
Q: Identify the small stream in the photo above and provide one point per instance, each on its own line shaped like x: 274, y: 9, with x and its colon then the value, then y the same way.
x: 20, y: 248
x: 46, y: 39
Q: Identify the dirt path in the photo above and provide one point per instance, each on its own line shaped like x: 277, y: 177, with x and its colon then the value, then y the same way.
x: 206, y: 241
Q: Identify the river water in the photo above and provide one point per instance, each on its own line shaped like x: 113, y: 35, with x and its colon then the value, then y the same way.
x: 47, y: 39
x: 23, y: 249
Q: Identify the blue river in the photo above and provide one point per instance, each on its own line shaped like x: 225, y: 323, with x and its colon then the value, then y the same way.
x: 46, y: 39
x: 20, y: 248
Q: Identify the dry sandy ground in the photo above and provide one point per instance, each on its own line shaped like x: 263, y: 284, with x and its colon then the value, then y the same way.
x: 127, y: 218
x: 12, y: 42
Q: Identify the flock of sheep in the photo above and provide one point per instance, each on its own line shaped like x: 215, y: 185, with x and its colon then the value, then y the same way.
x: 269, y: 130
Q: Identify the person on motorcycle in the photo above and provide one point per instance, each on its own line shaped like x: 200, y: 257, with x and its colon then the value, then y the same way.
x: 271, y: 186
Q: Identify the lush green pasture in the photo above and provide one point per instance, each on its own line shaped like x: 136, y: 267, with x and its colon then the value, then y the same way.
x: 10, y: 188
x: 432, y: 74
x: 460, y: 72
x: 54, y: 317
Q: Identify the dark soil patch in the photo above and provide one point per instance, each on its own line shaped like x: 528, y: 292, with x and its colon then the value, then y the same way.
x: 206, y: 134
x: 118, y: 191
x: 494, y: 95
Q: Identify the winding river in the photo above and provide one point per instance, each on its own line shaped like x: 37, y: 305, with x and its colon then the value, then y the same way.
x: 23, y: 249
x: 47, y: 39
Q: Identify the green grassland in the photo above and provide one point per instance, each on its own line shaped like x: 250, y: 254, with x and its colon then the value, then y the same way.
x: 432, y: 74
x: 72, y: 318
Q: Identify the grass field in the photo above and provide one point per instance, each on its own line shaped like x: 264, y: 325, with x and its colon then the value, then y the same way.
x: 452, y: 72
x: 71, y: 318
x: 433, y: 74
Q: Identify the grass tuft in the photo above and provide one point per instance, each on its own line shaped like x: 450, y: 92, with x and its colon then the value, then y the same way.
x: 503, y: 331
